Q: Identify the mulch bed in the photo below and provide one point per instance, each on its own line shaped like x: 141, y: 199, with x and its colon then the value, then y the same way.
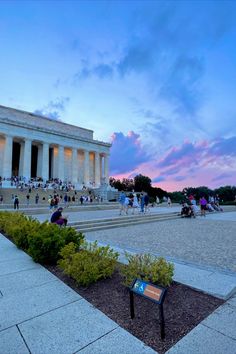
x: 184, y: 308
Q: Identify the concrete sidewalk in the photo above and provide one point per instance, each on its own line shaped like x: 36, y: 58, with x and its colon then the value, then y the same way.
x: 39, y: 314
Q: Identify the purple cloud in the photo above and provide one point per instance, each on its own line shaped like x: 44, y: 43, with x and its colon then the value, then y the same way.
x: 127, y: 153
x: 185, y: 155
x: 222, y: 177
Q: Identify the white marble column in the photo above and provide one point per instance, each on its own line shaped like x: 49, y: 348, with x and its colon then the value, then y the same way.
x: 101, y: 169
x: 27, y: 159
x: 61, y: 163
x: 106, y: 168
x: 45, y: 162
x: 55, y: 162
x: 74, y: 165
x: 39, y: 161
x: 22, y: 147
x: 7, y: 157
x: 86, y: 167
x: 97, y: 169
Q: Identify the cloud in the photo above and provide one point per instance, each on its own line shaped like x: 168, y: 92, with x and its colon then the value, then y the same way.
x: 222, y: 177
x: 53, y: 109
x: 101, y: 71
x: 180, y: 178
x: 181, y: 86
x: 186, y: 155
x: 224, y: 146
x: 158, y: 179
x: 127, y: 153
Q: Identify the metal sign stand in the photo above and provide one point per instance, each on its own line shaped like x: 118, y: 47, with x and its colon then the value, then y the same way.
x: 140, y: 284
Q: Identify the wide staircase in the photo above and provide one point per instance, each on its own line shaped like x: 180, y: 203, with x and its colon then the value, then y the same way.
x: 121, y: 221
x: 9, y: 193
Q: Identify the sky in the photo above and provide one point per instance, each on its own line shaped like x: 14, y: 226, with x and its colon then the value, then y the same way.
x: 157, y: 79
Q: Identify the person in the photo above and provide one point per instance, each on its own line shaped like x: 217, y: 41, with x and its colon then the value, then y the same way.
x: 81, y: 200
x: 66, y: 200
x: 135, y: 203
x: 36, y: 198
x: 122, y: 202
x: 157, y: 200
x: 1, y: 199
x: 169, y: 202
x: 27, y: 199
x: 16, y: 202
x: 57, y: 218
x: 203, y: 204
x: 142, y: 203
x: 146, y: 203
x: 186, y: 211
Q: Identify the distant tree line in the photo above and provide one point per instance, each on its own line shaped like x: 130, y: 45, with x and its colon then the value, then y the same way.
x: 143, y: 183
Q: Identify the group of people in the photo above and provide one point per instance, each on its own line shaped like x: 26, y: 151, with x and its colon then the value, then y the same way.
x: 134, y: 202
x: 191, y: 209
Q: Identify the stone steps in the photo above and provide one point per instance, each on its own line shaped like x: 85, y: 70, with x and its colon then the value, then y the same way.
x: 110, y: 223
x: 78, y: 208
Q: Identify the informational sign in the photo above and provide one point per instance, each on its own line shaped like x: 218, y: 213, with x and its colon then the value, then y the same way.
x: 152, y: 292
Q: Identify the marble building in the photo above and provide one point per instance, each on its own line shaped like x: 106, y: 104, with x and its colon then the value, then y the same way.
x: 34, y: 146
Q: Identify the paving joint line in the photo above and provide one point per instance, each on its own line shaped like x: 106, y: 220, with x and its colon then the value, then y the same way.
x: 44, y: 313
x: 23, y: 339
x: 95, y: 340
x: 215, y: 330
x: 19, y: 271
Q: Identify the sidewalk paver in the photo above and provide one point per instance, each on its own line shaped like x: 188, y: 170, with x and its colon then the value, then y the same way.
x: 67, y: 329
x: 118, y: 338
x: 11, y: 342
x: 223, y: 320
x: 17, y: 282
x: 15, y: 309
x: 204, y: 340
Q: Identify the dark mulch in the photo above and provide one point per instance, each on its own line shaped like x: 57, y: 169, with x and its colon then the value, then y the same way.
x: 184, y: 308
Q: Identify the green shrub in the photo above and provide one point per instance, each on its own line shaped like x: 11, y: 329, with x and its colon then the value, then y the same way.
x: 89, y: 264
x: 42, y: 241
x: 149, y: 268
x: 47, y: 241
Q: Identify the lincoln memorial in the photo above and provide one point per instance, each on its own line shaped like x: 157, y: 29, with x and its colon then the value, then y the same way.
x: 34, y: 146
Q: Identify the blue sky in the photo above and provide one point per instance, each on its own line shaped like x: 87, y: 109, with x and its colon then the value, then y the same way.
x: 156, y: 78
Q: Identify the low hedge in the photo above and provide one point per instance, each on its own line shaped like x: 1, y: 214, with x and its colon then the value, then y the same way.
x: 43, y: 242
x: 88, y: 264
x: 149, y: 268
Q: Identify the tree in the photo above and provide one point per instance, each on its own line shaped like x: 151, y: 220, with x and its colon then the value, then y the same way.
x: 142, y: 183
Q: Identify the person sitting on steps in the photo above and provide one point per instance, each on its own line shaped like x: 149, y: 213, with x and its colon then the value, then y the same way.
x: 57, y: 218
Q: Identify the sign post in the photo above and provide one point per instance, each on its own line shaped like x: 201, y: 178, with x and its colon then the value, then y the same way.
x: 152, y: 292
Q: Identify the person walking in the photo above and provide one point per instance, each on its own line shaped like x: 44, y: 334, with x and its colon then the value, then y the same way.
x: 169, y: 202
x: 122, y: 202
x: 36, y: 198
x: 27, y: 199
x: 16, y: 202
x: 142, y: 202
x: 203, y: 206
x: 146, y: 203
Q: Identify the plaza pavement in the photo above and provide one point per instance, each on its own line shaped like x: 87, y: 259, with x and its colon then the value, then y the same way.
x: 40, y: 314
